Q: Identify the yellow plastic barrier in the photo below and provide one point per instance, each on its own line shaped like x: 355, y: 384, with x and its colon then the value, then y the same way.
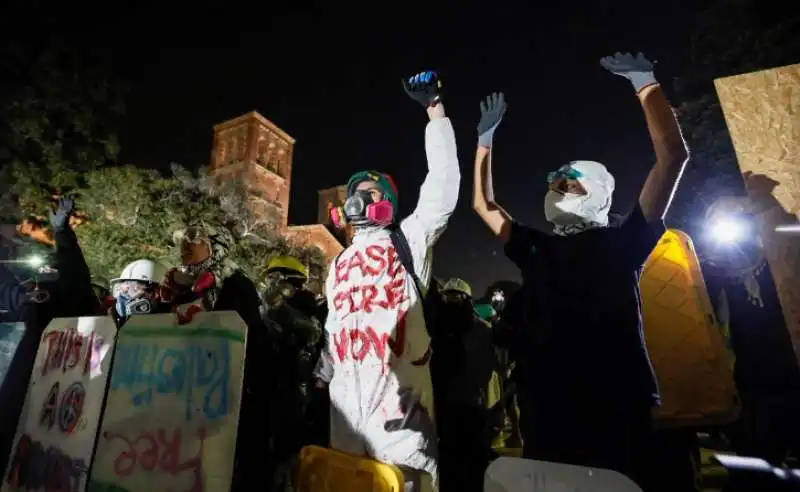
x: 685, y: 343
x: 328, y: 470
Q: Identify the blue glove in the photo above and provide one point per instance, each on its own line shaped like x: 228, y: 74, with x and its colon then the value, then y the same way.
x: 639, y: 70
x: 60, y: 219
x: 492, y: 111
x: 425, y: 88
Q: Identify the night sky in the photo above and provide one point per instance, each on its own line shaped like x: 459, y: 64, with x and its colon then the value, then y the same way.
x: 330, y: 76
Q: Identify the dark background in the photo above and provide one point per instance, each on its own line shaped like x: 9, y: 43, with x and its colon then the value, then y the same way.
x: 329, y: 75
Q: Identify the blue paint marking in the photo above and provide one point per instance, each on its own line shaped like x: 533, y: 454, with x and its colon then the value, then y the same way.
x: 10, y: 337
x: 199, y: 373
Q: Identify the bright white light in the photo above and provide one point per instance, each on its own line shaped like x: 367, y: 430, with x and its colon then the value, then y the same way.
x: 792, y: 228
x: 35, y: 261
x: 727, y: 231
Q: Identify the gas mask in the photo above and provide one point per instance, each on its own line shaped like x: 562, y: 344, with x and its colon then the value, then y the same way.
x: 279, y: 289
x: 578, y: 210
x: 133, y: 297
x: 453, y: 297
x: 498, y: 300
x: 360, y: 209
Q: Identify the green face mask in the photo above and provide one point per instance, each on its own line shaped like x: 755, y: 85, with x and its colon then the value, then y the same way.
x: 485, y: 311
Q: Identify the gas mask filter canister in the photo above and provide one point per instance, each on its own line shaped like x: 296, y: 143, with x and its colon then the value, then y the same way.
x: 360, y: 209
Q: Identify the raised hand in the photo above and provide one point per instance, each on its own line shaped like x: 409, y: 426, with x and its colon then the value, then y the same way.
x: 424, y: 87
x: 637, y: 69
x: 492, y: 111
x: 60, y: 219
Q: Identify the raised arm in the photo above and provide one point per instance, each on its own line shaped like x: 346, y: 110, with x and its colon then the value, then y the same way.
x: 498, y: 220
x: 438, y: 195
x: 668, y: 144
x: 671, y: 154
x: 74, y: 279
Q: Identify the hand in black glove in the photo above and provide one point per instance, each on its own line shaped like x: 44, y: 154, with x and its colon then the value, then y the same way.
x: 60, y: 219
x: 425, y: 88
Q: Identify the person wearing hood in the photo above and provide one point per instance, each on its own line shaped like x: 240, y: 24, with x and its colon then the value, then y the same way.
x: 295, y: 332
x: 465, y: 365
x: 376, y: 328
x: 589, y: 384
x: 207, y: 280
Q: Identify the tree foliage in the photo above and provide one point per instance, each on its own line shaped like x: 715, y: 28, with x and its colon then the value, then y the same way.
x: 132, y: 213
x: 58, y: 116
x: 728, y: 38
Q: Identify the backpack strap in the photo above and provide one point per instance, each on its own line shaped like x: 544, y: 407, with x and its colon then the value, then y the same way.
x: 404, y: 255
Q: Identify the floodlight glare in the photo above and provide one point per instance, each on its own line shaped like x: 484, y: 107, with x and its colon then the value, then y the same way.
x: 728, y: 231
x: 35, y: 261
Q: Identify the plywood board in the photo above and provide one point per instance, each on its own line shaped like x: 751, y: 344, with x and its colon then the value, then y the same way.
x: 55, y: 437
x: 762, y: 111
x: 172, y: 409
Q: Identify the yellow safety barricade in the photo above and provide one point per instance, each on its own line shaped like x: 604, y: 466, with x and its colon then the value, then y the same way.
x: 329, y: 470
x: 685, y: 343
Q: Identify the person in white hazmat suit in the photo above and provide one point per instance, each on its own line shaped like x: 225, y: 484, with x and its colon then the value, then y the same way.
x: 377, y: 340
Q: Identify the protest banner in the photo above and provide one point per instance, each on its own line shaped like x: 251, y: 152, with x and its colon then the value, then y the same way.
x: 58, y: 425
x: 172, y: 409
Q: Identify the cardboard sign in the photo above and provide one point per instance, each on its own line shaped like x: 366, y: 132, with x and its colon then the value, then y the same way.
x: 58, y: 426
x: 172, y: 409
x: 10, y: 336
x: 520, y: 475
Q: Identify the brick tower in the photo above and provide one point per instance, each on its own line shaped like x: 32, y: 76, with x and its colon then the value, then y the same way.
x: 254, y: 151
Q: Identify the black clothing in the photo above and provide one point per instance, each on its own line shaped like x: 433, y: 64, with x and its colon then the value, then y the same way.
x: 70, y: 295
x: 77, y: 279
x: 584, y: 375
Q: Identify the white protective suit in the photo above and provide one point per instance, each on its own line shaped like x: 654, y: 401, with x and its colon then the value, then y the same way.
x: 377, y: 339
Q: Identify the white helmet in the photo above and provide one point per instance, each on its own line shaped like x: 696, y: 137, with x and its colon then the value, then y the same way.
x: 142, y: 271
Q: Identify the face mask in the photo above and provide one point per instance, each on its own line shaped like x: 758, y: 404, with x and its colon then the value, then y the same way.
x: 129, y: 307
x: 574, y: 212
x: 361, y: 210
x: 564, y: 209
x: 498, y: 301
x: 454, y: 297
x: 278, y: 289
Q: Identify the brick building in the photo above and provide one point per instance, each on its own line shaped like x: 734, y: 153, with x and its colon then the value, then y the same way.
x: 254, y: 151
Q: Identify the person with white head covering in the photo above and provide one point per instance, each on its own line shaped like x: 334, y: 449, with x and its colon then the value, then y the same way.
x: 586, y: 385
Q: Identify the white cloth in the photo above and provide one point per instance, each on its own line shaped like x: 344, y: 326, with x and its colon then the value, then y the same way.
x: 376, y: 334
x: 571, y: 213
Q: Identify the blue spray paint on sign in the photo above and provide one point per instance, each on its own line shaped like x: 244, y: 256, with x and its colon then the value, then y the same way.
x: 186, y: 371
x: 10, y: 337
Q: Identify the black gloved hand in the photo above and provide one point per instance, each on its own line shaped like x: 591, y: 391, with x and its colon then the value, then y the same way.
x: 60, y: 219
x: 425, y: 88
